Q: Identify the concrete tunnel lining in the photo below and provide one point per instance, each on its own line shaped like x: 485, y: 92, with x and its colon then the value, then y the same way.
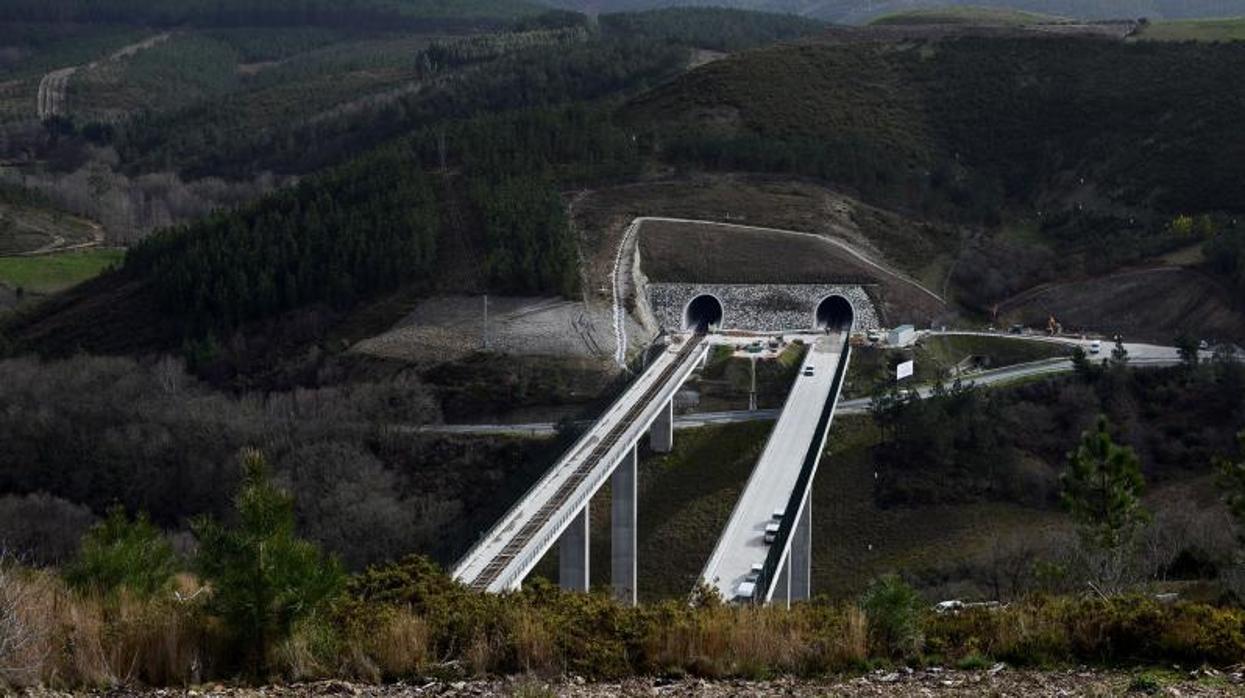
x: 702, y: 312
x: 834, y: 312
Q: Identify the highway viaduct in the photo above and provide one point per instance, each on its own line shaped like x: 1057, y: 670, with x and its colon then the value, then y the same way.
x: 555, y: 511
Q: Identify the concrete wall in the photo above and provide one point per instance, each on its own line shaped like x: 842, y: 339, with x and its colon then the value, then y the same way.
x: 759, y: 307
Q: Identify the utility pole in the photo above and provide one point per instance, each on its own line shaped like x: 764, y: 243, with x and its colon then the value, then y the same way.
x: 752, y: 396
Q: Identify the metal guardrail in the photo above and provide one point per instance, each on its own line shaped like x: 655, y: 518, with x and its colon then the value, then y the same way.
x: 769, y: 570
x: 520, y: 542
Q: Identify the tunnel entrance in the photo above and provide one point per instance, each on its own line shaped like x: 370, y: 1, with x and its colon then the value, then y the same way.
x: 703, y: 313
x: 833, y: 313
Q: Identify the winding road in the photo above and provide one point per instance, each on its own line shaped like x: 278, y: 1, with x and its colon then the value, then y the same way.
x: 1140, y: 354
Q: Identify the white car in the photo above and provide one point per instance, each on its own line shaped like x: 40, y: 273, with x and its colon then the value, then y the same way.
x: 771, y: 531
x: 808, y: 370
x: 1095, y: 347
x: 745, y: 591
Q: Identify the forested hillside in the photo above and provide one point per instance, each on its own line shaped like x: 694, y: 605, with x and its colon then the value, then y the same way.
x: 1080, y: 153
x: 453, y: 184
x: 390, y: 14
x: 860, y: 11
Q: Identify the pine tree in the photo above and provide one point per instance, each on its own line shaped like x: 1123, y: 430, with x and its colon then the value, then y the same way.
x: 263, y: 578
x: 1102, y: 489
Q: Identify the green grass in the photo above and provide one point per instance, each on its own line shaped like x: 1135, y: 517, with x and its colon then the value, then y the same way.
x: 57, y: 272
x: 935, y: 356
x: 964, y: 14
x: 855, y: 540
x: 685, y: 500
x: 1232, y: 29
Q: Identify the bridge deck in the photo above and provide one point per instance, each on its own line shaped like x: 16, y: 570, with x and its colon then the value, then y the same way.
x: 769, y: 488
x: 516, y: 543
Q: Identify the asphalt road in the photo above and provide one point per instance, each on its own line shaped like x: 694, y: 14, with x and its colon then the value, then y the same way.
x: 742, y: 543
x: 1140, y: 354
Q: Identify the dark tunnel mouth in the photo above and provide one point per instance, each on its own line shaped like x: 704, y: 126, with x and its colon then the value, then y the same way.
x: 702, y: 312
x: 833, y: 312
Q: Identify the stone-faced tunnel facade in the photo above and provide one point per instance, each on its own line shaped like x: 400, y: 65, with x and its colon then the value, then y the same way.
x: 758, y: 307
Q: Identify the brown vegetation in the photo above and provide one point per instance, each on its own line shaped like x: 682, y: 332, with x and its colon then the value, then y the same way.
x: 408, y: 620
x: 1151, y: 304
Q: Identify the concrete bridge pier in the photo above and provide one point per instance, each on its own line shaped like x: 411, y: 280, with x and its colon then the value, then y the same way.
x: 801, y: 556
x: 782, y: 586
x: 573, y: 553
x: 661, y: 434
x: 623, y: 528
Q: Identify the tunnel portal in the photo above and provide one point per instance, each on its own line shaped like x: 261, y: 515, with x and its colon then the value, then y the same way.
x: 703, y: 313
x: 833, y: 313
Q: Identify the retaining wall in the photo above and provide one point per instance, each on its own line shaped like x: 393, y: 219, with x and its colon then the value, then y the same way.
x: 760, y: 307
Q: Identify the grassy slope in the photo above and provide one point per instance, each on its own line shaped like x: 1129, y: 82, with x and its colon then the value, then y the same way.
x: 1231, y: 29
x: 965, y: 14
x: 56, y: 272
x: 687, y: 497
x: 684, y: 496
x: 921, y: 541
x: 934, y: 357
x: 26, y: 228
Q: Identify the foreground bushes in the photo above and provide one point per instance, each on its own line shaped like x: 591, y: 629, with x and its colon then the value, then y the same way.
x: 409, y: 619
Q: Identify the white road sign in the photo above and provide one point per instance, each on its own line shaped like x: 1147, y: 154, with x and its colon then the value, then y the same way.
x: 903, y: 370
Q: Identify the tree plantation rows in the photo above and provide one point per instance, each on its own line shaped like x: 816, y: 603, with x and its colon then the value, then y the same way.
x: 376, y: 223
x: 215, y: 13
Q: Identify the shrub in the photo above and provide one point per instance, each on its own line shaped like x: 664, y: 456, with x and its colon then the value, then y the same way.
x: 972, y: 662
x: 1144, y: 683
x: 895, y: 611
x: 118, y: 555
x: 263, y: 578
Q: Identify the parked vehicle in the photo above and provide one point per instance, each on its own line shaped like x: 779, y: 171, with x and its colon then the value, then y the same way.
x: 1095, y: 347
x: 755, y: 573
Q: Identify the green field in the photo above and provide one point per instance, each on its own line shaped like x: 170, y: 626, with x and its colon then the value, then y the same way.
x: 965, y: 14
x: 1230, y: 29
x: 57, y: 272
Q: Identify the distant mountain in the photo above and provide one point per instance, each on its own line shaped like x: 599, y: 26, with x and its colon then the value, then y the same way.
x: 861, y: 11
